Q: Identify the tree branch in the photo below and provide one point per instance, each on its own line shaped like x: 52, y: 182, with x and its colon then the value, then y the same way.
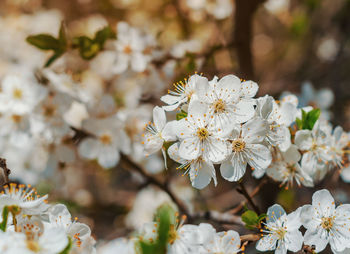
x: 220, y: 218
x: 151, y: 180
x: 245, y: 10
x: 253, y: 194
x: 244, y: 192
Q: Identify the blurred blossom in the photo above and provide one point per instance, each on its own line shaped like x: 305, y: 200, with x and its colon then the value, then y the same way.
x: 327, y: 49
x: 277, y: 6
x: 145, y: 205
x: 220, y: 9
x: 181, y: 48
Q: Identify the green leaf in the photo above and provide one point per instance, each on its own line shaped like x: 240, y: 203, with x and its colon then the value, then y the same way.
x: 68, y: 247
x: 5, y: 213
x: 44, y: 41
x: 104, y: 34
x: 62, y: 37
x: 165, y: 217
x: 312, y: 117
x: 87, y: 47
x: 252, y: 220
x: 308, y: 119
x: 52, y: 59
x: 182, y: 114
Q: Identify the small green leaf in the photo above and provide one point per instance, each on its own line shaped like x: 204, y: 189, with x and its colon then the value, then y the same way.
x: 5, y: 213
x: 104, y: 34
x: 62, y: 37
x: 308, y: 119
x: 181, y: 115
x: 44, y: 41
x: 68, y: 247
x: 165, y: 217
x: 87, y: 47
x: 52, y: 59
x: 252, y: 220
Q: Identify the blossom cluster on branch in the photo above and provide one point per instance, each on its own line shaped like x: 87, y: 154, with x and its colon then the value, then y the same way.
x: 221, y: 123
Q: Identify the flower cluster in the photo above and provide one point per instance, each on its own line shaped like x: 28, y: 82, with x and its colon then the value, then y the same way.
x: 30, y: 225
x: 222, y: 123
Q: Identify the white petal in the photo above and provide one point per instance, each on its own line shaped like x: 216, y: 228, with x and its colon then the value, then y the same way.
x: 266, y: 243
x: 244, y: 110
x: 201, y: 174
x: 254, y: 131
x: 295, y: 240
x: 108, y: 157
x: 89, y: 148
x: 190, y: 148
x: 215, y: 149
x: 249, y: 89
x: 317, y: 237
x: 233, y: 170
x: 292, y: 155
x: 159, y: 118
x: 169, y: 133
x: 303, y: 139
x: 231, y: 242
x: 274, y: 213
x: 323, y: 201
x: 258, y: 156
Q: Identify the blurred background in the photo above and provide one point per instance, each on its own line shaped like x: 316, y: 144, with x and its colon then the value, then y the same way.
x: 298, y: 46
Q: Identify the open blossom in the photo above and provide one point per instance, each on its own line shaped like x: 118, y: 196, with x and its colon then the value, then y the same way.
x: 338, y: 146
x: 133, y: 49
x: 316, y: 156
x: 227, y: 242
x: 80, y: 233
x: 277, y: 133
x: 108, y: 140
x: 158, y: 132
x: 325, y: 223
x: 41, y: 239
x: 246, y: 148
x: 281, y: 231
x: 200, y: 170
x: 183, y: 92
x: 19, y: 95
x: 285, y: 168
x: 199, y: 136
x: 25, y: 198
x: 229, y: 100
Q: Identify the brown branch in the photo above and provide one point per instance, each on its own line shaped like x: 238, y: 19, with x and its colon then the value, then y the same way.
x: 220, y: 218
x: 242, y: 190
x: 245, y: 10
x: 182, y: 19
x: 151, y: 180
x: 250, y: 237
x: 240, y: 206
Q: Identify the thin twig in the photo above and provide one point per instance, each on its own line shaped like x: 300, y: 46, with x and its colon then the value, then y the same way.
x: 253, y: 194
x: 244, y: 192
x: 220, y: 218
x: 151, y: 180
x: 250, y: 237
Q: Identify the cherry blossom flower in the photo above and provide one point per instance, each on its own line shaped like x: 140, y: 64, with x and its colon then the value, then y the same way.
x: 108, y: 140
x: 200, y: 170
x: 199, y: 136
x: 229, y: 100
x: 326, y: 223
x: 281, y: 231
x: 26, y: 198
x: 132, y: 49
x: 246, y: 148
x: 285, y: 168
x: 184, y: 92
